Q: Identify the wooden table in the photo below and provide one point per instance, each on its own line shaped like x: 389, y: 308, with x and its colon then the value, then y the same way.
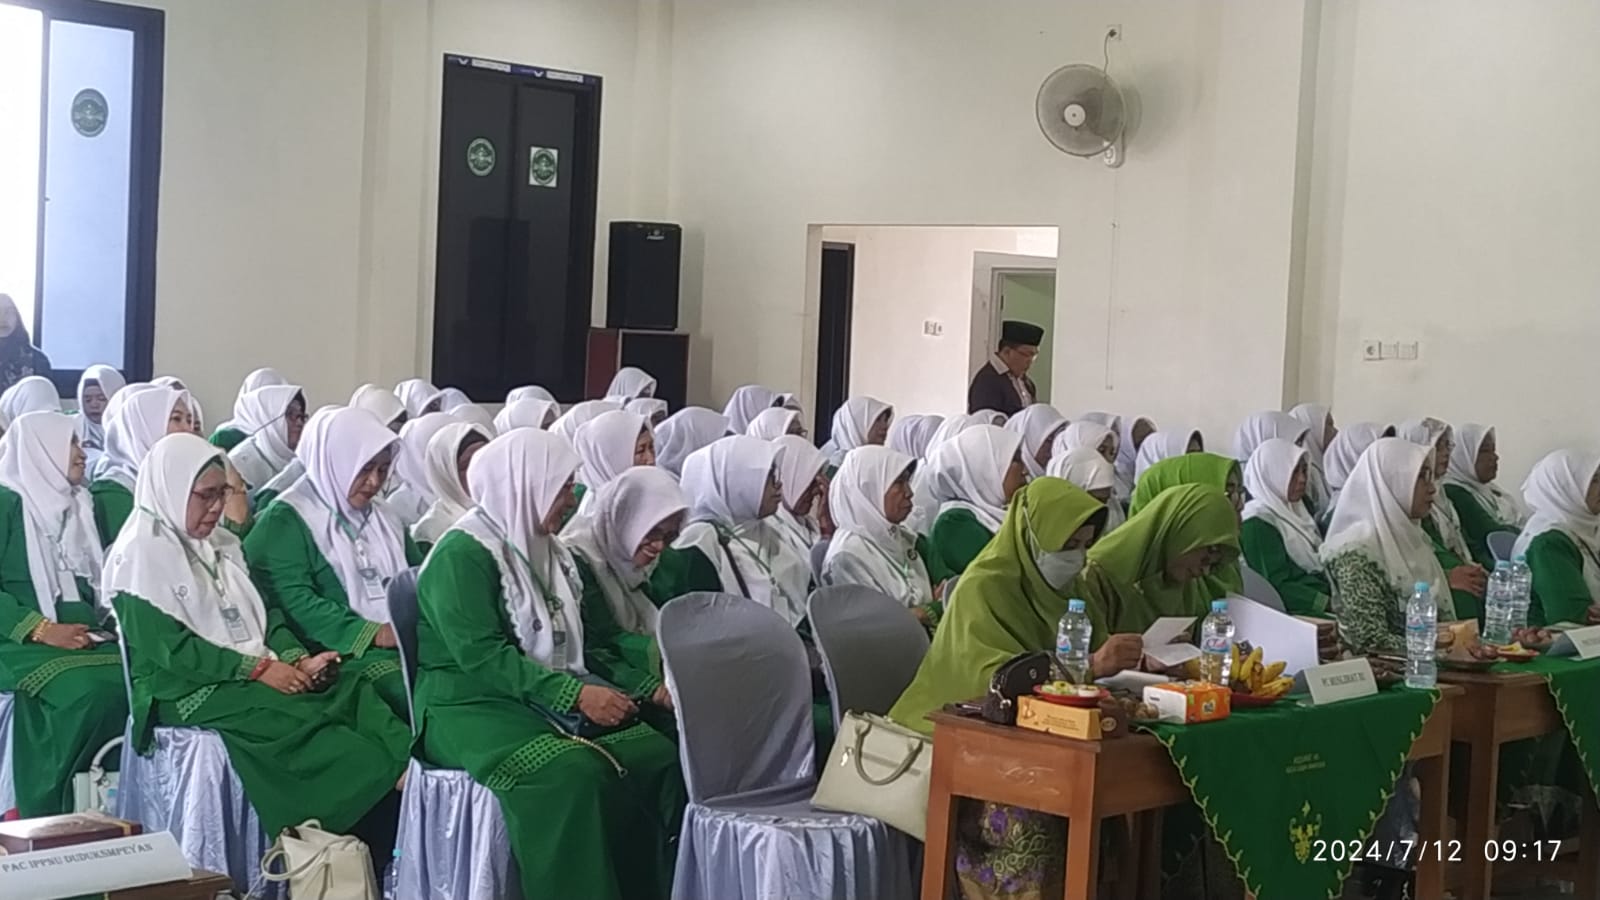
x: 1086, y: 781
x: 202, y: 885
x: 1498, y: 709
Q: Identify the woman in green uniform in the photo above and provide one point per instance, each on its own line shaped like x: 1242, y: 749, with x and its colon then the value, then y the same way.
x: 1084, y: 433
x: 1090, y: 471
x: 95, y: 388
x: 273, y: 417
x: 230, y: 433
x: 67, y: 686
x: 1037, y: 424
x: 137, y: 417
x: 207, y: 653
x: 869, y: 499
x: 381, y: 403
x: 324, y: 552
x: 1482, y: 506
x: 503, y: 685
x: 1468, y: 581
x: 803, y: 479
x: 610, y: 444
x: 1191, y: 468
x: 1279, y: 536
x: 975, y: 474
x: 529, y: 412
x: 449, y: 452
x: 1562, y: 540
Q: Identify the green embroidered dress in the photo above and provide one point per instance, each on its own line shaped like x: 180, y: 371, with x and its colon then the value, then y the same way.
x: 1303, y: 593
x: 1560, y: 590
x: 956, y: 539
x: 113, y: 503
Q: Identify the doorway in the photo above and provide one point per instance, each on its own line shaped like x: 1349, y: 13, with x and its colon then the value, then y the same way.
x: 1030, y: 296
x: 833, y: 334
x: 518, y: 163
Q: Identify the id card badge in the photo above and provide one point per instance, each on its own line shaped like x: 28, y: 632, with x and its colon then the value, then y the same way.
x: 373, y: 584
x: 235, y: 622
x: 558, y: 653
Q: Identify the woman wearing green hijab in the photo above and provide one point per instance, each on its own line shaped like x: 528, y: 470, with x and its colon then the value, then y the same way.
x: 1172, y: 558
x: 1008, y: 602
x: 1191, y: 468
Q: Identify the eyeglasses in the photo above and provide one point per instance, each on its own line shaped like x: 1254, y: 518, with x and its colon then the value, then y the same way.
x: 215, y: 496
x: 296, y: 417
x: 662, y: 536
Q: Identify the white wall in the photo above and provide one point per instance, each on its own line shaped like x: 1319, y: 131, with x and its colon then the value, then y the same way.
x: 904, y: 276
x: 924, y: 113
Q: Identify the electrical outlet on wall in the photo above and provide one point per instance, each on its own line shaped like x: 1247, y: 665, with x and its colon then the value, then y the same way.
x: 1371, y: 351
x: 1409, y: 350
x: 932, y: 327
x: 1391, y: 350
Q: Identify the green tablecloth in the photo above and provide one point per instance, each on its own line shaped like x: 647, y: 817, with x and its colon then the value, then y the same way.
x: 1279, y: 785
x: 1575, y: 687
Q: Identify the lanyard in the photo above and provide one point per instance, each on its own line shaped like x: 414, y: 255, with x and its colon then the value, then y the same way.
x: 727, y: 535
x: 901, y: 568
x: 551, y: 600
x: 212, y: 572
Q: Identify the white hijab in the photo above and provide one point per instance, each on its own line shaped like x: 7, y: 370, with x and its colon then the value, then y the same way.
x: 259, y: 378
x: 772, y: 423
x: 451, y: 500
x: 1344, y: 450
x: 1266, y: 477
x: 1315, y: 417
x: 969, y: 471
x: 334, y: 449
x: 451, y: 398
x: 1558, y: 490
x: 605, y: 444
x: 132, y: 427
x: 381, y: 403
x: 92, y: 435
x: 1373, y: 518
x: 626, y: 509
x: 203, y: 584
x: 799, y: 464
x: 1464, y: 474
x: 1127, y: 453
x: 515, y: 481
x: 866, y: 543
x: 745, y: 403
x: 1264, y: 426
x: 529, y: 392
x: 407, y: 489
x: 649, y: 407
x: 852, y: 422
x: 417, y: 394
x: 725, y: 484
x: 912, y: 434
x: 529, y: 412
x: 473, y: 414
x: 581, y: 413
x: 1086, y: 468
x: 685, y: 431
x: 630, y: 383
x: 954, y: 425
x: 1084, y: 433
x: 263, y: 416
x: 1159, y: 446
x: 1429, y: 432
x: 35, y: 393
x: 1039, y: 425
x: 57, y: 515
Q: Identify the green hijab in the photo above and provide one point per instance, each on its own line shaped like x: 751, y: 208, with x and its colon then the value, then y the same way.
x: 1125, y: 583
x: 1190, y: 468
x: 1002, y: 605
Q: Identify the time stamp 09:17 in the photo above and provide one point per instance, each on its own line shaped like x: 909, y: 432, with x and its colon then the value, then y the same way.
x: 1403, y: 852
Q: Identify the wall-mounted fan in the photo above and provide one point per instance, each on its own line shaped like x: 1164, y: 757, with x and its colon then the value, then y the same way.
x: 1081, y: 111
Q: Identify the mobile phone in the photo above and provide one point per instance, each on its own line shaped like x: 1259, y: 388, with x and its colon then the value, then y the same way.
x: 101, y: 636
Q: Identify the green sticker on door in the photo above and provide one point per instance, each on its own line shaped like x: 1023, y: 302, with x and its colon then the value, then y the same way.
x: 480, y: 156
x: 543, y: 166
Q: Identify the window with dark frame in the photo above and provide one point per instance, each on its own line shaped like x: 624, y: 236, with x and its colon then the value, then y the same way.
x: 80, y: 163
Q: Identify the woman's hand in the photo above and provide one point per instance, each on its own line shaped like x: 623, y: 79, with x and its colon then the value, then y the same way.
x: 284, y: 678
x: 1119, y: 652
x: 313, y: 666
x: 1594, y: 614
x: 385, y: 638
x: 65, y: 637
x: 1471, y: 579
x: 662, y: 697
x: 236, y: 508
x: 605, y: 706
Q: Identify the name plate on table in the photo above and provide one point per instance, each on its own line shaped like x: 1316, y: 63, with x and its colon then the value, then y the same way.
x: 1585, y: 642
x: 94, y: 868
x: 1343, y: 680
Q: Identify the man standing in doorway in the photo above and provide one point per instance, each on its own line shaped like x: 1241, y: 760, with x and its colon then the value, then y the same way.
x: 1003, y: 383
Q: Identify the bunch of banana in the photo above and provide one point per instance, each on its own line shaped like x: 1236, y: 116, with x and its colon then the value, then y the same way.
x: 1251, y: 676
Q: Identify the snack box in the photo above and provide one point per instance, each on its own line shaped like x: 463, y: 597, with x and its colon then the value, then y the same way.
x: 49, y: 832
x: 1187, y: 702
x: 1086, y: 723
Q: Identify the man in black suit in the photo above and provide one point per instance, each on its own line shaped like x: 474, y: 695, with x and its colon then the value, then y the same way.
x: 1003, y: 383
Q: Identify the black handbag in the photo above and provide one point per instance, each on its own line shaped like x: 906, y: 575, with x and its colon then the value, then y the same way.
x: 1015, y: 677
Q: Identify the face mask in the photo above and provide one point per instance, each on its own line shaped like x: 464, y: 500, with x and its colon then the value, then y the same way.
x: 1060, y: 567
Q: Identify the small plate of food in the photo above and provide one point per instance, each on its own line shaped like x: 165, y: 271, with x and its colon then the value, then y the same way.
x: 1066, y: 693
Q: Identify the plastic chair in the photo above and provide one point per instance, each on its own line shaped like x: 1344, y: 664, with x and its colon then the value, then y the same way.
x: 187, y: 786
x: 1259, y: 589
x: 453, y: 843
x: 1501, y: 545
x: 8, y: 778
x: 739, y: 679
x: 871, y: 647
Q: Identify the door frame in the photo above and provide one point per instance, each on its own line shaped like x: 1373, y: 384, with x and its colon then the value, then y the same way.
x: 988, y: 268
x: 822, y: 412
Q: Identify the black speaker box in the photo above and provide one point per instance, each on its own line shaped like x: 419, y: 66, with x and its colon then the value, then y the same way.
x: 642, y: 277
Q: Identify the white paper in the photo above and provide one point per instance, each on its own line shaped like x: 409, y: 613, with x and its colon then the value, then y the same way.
x: 1132, y: 680
x: 1279, y: 635
x: 1162, y: 632
x: 1581, y: 642
x: 1342, y: 680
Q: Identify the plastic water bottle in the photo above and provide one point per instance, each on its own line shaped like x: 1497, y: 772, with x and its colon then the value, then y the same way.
x: 1216, y: 645
x: 1522, y: 591
x: 1072, y: 643
x: 1499, y: 609
x: 391, y: 878
x: 1422, y: 638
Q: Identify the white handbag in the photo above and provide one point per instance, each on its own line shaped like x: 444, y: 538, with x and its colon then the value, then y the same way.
x: 321, y: 865
x: 96, y: 789
x: 878, y: 768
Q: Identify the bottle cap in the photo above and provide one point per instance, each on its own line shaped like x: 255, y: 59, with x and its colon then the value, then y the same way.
x: 1521, y: 558
x: 1075, y: 605
x: 1219, y: 606
x: 1503, y: 564
x: 1421, y: 587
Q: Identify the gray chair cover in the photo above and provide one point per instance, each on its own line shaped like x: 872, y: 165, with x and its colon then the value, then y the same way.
x: 187, y: 786
x: 8, y: 778
x: 742, y: 689
x: 453, y: 843
x: 1502, y: 545
x: 871, y: 646
x: 1260, y: 589
x: 819, y: 552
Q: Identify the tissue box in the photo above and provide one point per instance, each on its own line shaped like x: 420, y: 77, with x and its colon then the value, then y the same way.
x: 1187, y: 702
